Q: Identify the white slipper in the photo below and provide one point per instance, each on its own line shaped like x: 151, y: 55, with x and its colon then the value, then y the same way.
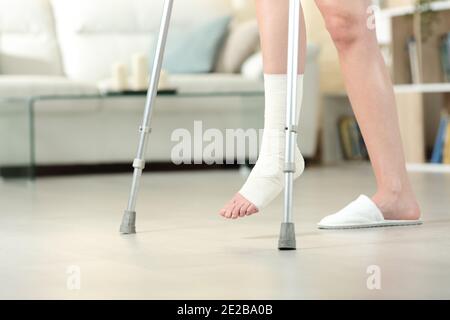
x: 361, y: 213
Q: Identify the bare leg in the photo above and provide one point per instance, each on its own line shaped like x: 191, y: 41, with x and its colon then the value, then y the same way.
x: 372, y: 97
x: 273, y: 17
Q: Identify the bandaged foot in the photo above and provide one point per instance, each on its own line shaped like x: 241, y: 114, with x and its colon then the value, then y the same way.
x: 266, y: 181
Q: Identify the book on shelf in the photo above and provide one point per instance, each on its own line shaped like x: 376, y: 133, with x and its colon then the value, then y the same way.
x: 351, y: 139
x: 446, y: 152
x: 445, y: 56
x: 441, y: 150
x: 414, y: 63
x: 345, y: 138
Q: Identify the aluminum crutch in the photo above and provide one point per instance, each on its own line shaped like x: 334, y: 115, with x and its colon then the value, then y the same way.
x: 287, y: 234
x: 128, y: 225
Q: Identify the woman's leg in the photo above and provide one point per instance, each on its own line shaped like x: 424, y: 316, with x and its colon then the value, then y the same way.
x: 371, y: 94
x: 266, y: 180
x: 273, y: 18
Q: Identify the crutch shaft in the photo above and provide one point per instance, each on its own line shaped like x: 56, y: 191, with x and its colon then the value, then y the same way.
x: 291, y: 110
x: 287, y: 239
x: 128, y: 222
x: 139, y: 163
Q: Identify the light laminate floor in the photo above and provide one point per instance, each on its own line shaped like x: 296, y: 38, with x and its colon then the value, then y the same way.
x: 60, y: 232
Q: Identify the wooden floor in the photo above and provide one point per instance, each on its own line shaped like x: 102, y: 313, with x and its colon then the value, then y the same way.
x: 59, y: 233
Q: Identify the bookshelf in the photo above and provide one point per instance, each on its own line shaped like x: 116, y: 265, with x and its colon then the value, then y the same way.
x: 421, y: 88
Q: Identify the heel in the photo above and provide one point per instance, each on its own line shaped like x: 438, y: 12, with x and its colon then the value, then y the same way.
x: 299, y: 164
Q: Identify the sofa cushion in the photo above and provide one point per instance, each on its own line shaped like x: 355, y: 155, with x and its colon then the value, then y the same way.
x: 241, y: 43
x: 20, y: 86
x: 94, y: 34
x: 28, y: 43
x: 253, y: 67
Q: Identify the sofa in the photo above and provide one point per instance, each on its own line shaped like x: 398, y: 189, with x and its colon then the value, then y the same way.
x: 65, y: 48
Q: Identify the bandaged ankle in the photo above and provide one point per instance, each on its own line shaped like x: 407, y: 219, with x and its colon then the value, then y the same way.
x: 266, y: 179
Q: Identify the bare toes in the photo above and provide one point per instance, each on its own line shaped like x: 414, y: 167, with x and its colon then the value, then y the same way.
x: 238, y: 207
x: 236, y: 210
x: 252, y: 209
x: 244, y: 209
x: 222, y: 212
x: 229, y: 212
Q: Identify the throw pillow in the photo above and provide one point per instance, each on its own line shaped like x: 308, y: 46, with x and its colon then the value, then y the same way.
x: 241, y: 43
x: 195, y: 51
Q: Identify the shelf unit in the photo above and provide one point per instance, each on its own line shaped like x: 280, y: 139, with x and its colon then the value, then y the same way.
x: 419, y: 104
x: 402, y: 8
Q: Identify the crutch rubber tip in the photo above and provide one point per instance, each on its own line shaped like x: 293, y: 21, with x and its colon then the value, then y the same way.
x: 287, y: 237
x: 128, y: 225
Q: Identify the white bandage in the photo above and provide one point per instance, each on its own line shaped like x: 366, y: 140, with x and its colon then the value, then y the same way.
x: 266, y: 179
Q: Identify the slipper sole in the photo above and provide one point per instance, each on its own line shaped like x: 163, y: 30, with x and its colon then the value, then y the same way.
x: 392, y: 223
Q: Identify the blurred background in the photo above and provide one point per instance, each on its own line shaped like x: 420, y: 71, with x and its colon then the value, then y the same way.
x: 73, y: 80
x: 73, y: 77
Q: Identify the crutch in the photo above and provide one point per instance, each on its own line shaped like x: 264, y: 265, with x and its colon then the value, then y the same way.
x: 128, y: 225
x: 287, y: 233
